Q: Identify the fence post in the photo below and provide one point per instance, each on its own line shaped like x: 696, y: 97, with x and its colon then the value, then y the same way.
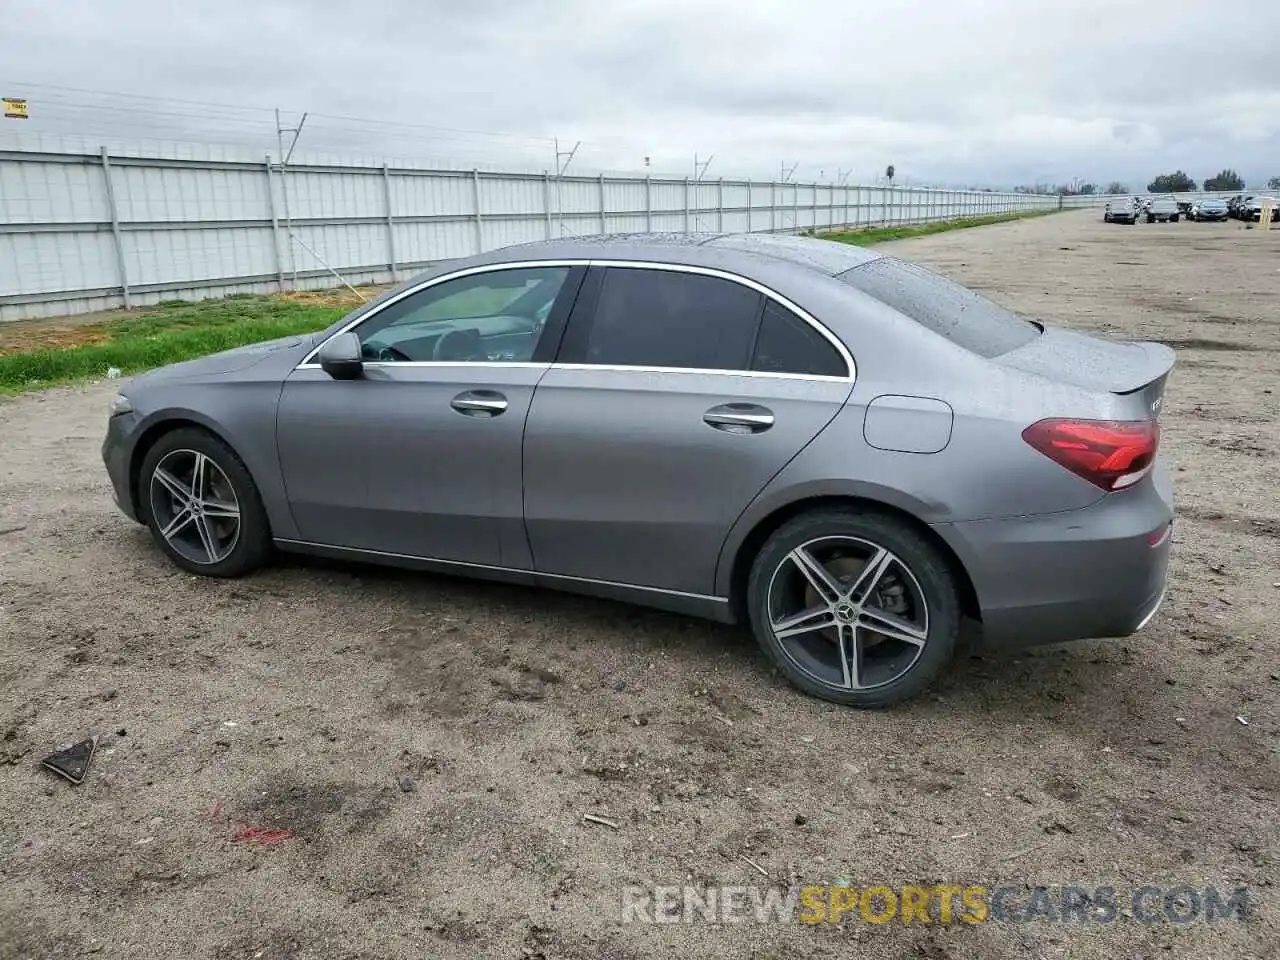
x: 648, y: 203
x: 115, y: 229
x: 795, y: 208
x: 475, y: 195
x: 720, y: 204
x: 275, y: 226
x: 546, y: 199
x: 604, y: 227
x: 391, y: 226
x: 686, y: 204
x: 773, y: 206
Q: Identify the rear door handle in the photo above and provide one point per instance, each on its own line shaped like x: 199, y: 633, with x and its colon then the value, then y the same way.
x: 479, y: 403
x: 739, y: 418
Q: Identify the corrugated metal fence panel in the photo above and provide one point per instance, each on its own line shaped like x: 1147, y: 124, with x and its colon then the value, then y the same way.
x: 150, y: 194
x: 430, y: 195
x: 424, y: 242
x: 315, y: 196
x: 198, y: 221
x: 510, y: 197
x: 45, y: 263
x: 51, y: 193
x: 164, y: 256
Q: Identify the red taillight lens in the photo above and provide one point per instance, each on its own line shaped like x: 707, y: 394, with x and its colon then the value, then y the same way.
x: 1110, y: 453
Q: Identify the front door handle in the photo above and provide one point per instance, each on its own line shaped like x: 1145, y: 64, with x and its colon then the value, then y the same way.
x: 739, y: 418
x: 479, y: 403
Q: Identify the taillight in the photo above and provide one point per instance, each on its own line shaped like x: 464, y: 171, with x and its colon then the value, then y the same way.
x: 1112, y: 454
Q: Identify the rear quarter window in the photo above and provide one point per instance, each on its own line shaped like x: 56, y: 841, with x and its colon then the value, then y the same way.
x: 964, y: 317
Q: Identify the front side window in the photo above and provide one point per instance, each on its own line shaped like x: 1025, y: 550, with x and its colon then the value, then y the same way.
x: 665, y: 318
x: 494, y: 316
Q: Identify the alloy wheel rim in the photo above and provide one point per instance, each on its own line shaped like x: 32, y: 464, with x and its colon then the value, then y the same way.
x: 195, y: 506
x: 848, y: 612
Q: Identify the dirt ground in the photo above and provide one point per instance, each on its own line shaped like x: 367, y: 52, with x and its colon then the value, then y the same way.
x: 433, y: 744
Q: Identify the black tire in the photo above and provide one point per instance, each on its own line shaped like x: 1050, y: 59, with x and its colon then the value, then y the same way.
x: 1150, y: 218
x: 1174, y: 218
x: 250, y: 546
x: 929, y: 583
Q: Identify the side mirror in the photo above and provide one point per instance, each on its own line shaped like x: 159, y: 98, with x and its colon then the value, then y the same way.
x: 341, y: 358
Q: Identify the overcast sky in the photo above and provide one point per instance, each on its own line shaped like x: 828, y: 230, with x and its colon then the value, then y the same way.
x: 961, y: 91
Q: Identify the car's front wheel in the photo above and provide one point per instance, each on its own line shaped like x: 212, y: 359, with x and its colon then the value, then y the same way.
x: 854, y: 607
x: 202, y: 506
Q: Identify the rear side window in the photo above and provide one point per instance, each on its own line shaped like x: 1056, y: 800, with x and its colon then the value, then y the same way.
x: 787, y: 344
x: 965, y: 318
x: 662, y: 318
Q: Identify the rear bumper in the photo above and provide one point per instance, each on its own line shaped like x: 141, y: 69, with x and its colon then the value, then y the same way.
x: 1096, y: 572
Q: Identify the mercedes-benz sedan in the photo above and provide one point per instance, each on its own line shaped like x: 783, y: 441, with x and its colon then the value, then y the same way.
x: 845, y: 451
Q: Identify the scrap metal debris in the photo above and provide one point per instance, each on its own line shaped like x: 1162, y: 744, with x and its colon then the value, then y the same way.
x: 261, y: 835
x: 72, y: 762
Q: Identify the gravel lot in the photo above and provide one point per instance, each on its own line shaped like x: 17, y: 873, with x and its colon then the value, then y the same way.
x: 433, y: 744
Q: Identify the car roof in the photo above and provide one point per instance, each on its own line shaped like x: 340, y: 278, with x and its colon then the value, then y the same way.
x: 731, y: 251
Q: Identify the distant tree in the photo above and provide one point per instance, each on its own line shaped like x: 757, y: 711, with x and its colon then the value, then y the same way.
x: 1273, y: 183
x: 1116, y: 187
x: 1176, y: 182
x: 1227, y: 180
x: 1088, y: 189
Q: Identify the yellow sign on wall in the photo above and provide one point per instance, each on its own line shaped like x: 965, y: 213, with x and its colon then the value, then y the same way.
x: 14, y: 108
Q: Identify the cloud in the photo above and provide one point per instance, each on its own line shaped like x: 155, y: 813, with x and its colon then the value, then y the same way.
x: 976, y: 91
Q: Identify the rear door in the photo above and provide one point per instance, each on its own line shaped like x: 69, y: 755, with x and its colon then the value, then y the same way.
x: 677, y: 395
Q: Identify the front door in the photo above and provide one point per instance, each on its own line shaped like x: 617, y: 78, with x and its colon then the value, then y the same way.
x: 422, y: 455
x: 677, y: 396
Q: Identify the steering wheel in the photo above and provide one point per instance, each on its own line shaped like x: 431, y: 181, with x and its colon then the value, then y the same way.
x: 391, y: 354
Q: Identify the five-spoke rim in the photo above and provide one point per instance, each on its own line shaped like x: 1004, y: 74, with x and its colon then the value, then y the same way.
x: 848, y: 612
x: 195, y: 506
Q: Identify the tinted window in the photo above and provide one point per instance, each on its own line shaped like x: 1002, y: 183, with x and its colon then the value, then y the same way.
x: 661, y: 318
x: 787, y: 344
x: 955, y: 312
x: 493, y: 316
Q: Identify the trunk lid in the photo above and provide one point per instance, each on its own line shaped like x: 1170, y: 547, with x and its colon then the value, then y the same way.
x: 1127, y: 368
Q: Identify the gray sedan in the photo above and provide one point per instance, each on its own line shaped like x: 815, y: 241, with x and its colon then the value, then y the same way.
x: 845, y: 451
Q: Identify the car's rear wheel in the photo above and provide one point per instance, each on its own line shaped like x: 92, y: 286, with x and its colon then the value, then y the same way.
x: 202, y: 506
x: 854, y: 607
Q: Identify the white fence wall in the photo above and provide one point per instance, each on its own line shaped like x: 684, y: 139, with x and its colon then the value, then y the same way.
x: 83, y: 231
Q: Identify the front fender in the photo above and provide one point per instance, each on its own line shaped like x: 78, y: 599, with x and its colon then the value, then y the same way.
x: 241, y: 414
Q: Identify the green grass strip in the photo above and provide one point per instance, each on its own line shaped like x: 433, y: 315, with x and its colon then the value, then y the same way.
x: 873, y: 235
x: 169, y: 334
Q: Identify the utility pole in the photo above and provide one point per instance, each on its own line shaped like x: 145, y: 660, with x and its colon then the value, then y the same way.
x: 560, y: 169
x: 284, y: 182
x: 700, y: 168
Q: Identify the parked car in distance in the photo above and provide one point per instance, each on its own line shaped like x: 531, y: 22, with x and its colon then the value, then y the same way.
x: 1123, y: 210
x: 1162, y: 210
x: 1251, y: 208
x: 1209, y: 208
x: 1184, y: 207
x: 842, y: 449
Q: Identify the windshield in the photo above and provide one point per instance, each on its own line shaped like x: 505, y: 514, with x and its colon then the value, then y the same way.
x: 965, y: 318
